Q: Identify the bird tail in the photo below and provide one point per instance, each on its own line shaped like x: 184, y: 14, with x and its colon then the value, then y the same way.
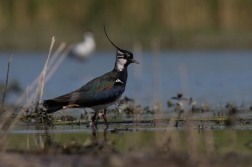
x: 53, y: 105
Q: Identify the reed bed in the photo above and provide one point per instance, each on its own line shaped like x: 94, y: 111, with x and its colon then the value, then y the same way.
x: 178, y: 24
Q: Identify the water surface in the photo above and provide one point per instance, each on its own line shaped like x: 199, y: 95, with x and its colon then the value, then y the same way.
x: 211, y: 76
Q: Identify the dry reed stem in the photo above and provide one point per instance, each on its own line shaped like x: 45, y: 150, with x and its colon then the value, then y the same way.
x: 25, y: 107
x: 53, y: 66
x: 40, y: 87
x: 27, y: 95
x: 51, y: 72
x: 57, y: 64
x: 34, y: 83
x: 42, y: 77
x: 6, y: 86
x: 4, y: 136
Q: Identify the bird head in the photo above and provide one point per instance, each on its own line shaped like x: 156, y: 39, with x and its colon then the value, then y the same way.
x: 123, y: 57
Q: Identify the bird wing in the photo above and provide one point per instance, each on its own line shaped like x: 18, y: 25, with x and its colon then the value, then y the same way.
x: 99, y: 91
x: 99, y: 84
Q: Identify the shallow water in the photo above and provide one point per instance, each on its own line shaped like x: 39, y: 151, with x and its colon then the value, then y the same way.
x: 130, y: 127
x: 211, y: 76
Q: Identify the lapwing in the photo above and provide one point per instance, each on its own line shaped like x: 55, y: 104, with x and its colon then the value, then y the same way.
x: 99, y: 93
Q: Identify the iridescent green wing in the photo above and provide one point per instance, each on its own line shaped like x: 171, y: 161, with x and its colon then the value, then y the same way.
x: 102, y: 83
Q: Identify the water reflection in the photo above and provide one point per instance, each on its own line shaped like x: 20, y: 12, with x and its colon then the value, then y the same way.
x: 44, y: 140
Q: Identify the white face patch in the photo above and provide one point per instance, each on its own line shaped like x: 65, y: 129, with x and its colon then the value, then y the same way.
x: 120, y: 64
x: 119, y: 52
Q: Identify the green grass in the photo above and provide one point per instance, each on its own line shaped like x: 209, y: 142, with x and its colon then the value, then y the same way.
x: 147, y: 141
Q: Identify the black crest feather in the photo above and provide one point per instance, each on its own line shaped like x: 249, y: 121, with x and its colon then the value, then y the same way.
x: 111, y: 41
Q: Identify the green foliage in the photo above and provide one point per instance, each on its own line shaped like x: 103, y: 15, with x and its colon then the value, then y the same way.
x: 31, y: 23
x: 146, y: 141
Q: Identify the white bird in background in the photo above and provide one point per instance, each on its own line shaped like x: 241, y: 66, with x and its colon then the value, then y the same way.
x: 84, y: 49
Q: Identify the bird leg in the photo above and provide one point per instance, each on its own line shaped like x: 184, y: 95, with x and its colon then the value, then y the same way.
x: 94, y: 126
x: 94, y: 119
x: 105, y: 117
x: 106, y: 122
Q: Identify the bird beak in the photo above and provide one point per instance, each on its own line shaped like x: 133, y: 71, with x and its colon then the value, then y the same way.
x: 134, y: 61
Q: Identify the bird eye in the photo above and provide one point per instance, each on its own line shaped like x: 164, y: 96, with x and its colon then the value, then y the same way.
x: 126, y: 55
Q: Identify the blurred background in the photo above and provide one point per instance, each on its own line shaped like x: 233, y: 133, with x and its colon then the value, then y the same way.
x: 28, y: 25
x: 200, y: 48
